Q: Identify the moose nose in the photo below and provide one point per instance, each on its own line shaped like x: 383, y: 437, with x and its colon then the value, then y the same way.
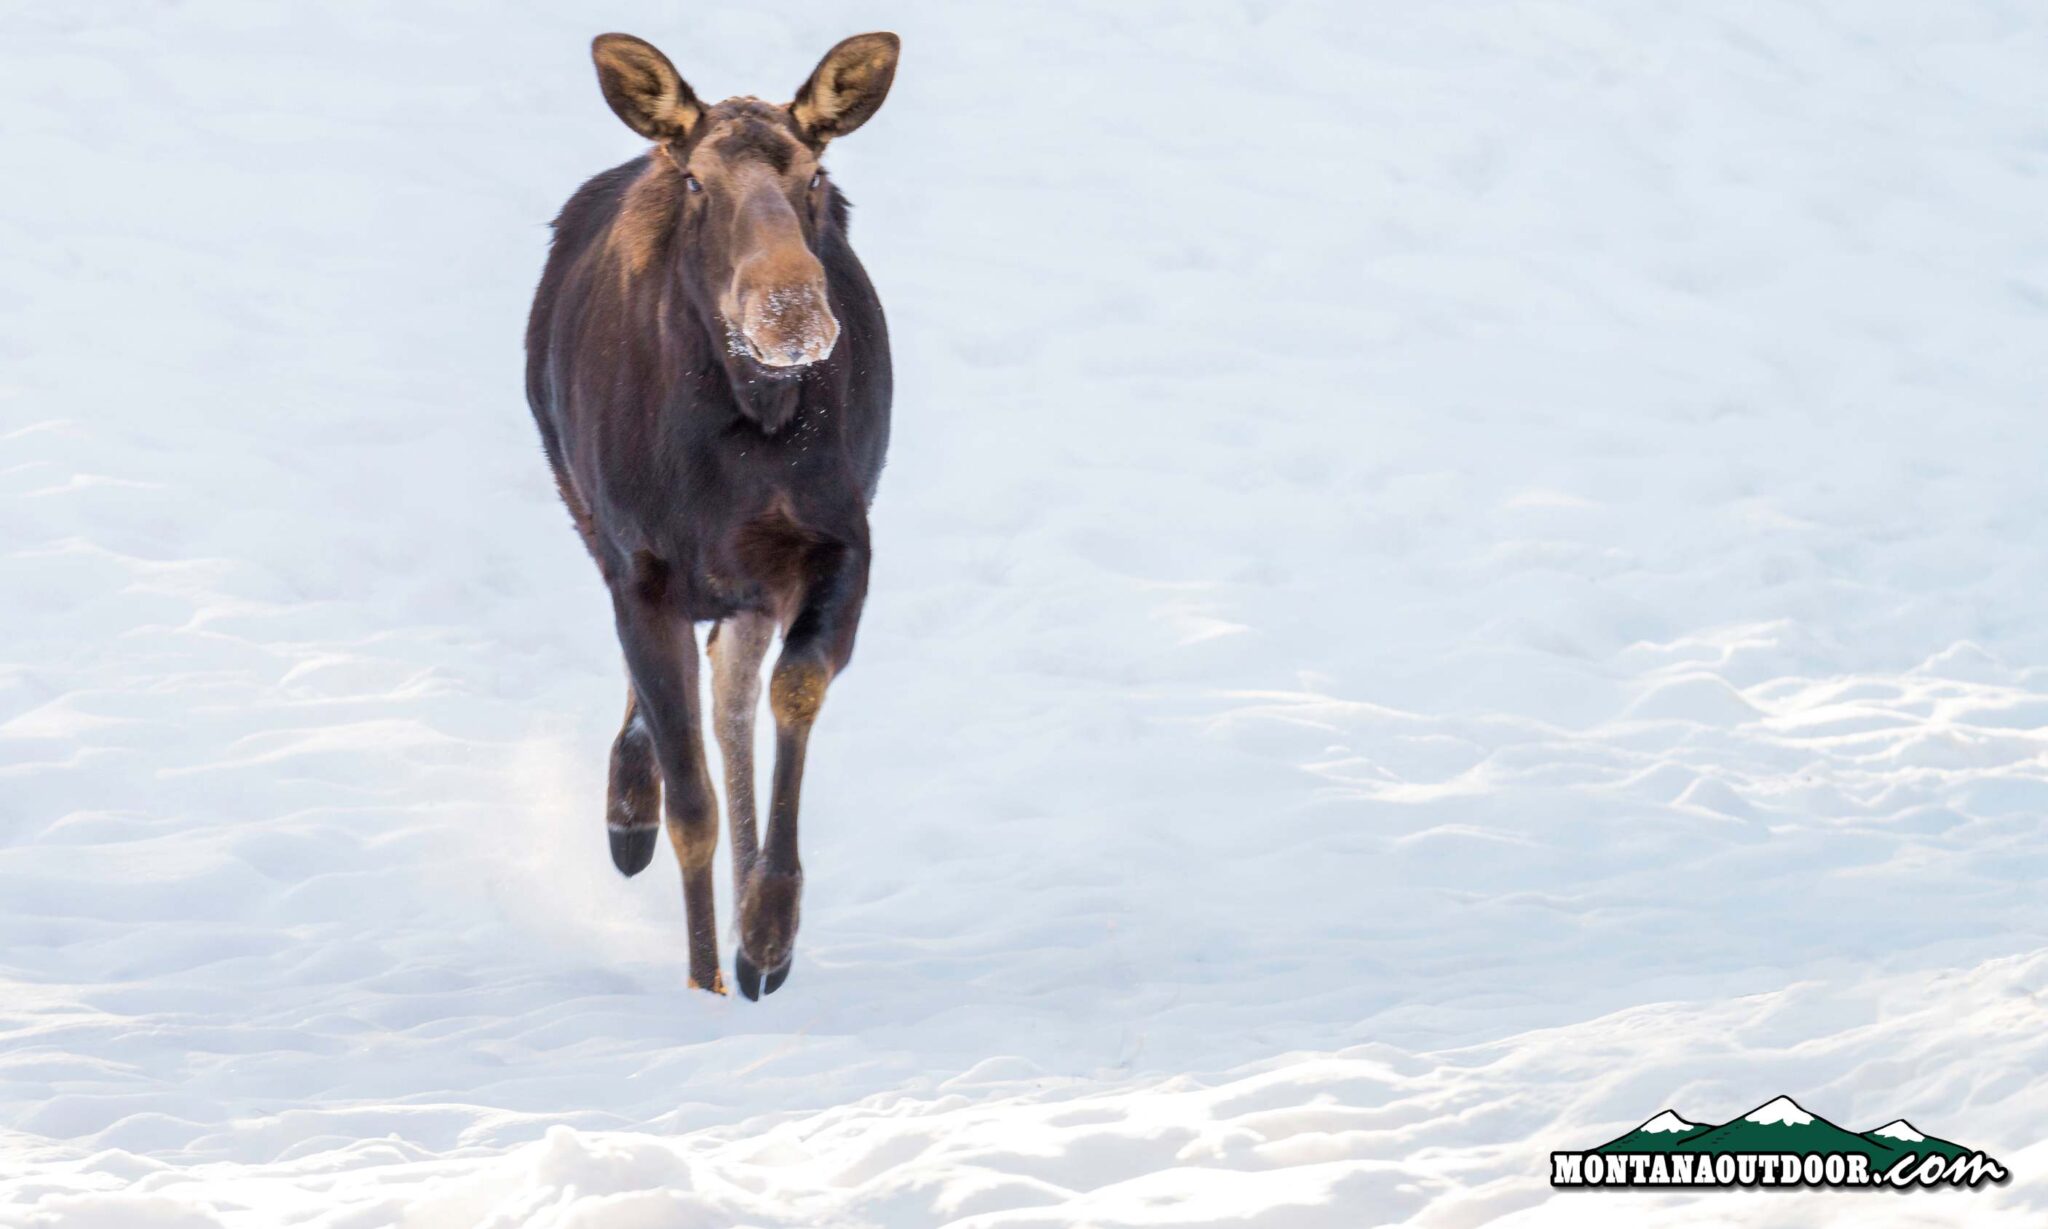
x: 788, y: 326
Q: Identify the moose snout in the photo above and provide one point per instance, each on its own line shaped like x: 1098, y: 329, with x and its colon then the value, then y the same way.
x: 787, y: 324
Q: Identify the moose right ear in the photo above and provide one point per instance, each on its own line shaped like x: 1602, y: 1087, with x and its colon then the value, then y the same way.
x: 644, y: 88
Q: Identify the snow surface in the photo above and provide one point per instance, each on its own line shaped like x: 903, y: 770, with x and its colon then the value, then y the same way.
x: 1449, y: 573
x: 1667, y: 1122
x: 1779, y: 1110
x: 1899, y: 1130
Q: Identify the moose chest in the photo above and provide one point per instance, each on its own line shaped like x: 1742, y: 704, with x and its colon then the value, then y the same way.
x: 723, y: 524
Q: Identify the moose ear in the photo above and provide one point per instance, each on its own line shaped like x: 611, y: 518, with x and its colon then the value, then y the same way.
x: 644, y: 88
x: 847, y: 87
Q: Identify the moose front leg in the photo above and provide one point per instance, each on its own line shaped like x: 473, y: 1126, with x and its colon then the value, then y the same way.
x: 815, y: 649
x: 661, y: 654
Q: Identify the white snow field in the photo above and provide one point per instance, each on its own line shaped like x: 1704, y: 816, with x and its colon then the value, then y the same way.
x: 1452, y: 576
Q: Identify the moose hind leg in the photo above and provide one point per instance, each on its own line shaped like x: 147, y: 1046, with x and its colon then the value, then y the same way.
x: 738, y: 646
x: 632, y: 811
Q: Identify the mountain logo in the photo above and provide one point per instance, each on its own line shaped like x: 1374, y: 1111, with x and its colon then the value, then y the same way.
x: 1779, y: 1143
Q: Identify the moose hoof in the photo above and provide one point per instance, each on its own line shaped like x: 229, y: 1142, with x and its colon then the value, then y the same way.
x: 768, y: 908
x: 717, y: 985
x: 633, y: 848
x: 752, y: 984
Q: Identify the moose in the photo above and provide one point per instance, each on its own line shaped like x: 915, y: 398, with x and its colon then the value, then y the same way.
x: 709, y: 369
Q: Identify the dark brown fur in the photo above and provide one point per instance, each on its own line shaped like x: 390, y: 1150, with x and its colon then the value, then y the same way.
x: 715, y: 456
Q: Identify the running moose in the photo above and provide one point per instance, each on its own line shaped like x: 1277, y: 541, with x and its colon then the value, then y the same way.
x: 709, y: 370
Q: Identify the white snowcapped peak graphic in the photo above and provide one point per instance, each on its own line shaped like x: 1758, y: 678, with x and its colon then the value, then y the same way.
x: 1667, y: 1122
x: 1783, y: 1109
x: 1899, y: 1129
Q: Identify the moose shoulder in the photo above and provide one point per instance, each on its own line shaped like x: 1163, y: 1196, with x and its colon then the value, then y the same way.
x: 709, y: 369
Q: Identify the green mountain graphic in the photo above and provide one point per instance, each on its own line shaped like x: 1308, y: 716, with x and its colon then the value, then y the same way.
x: 1782, y: 1125
x: 1660, y: 1134
x: 1671, y: 1149
x: 1902, y: 1135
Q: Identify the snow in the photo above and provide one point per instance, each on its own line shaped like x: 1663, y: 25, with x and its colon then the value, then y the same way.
x: 1782, y: 1110
x: 1448, y: 575
x: 1667, y: 1122
x: 1901, y: 1129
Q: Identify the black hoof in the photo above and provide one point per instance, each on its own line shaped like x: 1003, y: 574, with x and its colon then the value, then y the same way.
x: 752, y: 983
x: 633, y: 848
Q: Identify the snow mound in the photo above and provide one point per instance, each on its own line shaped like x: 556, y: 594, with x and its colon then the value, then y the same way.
x: 1900, y: 1129
x: 1667, y: 1122
x: 1359, y: 1135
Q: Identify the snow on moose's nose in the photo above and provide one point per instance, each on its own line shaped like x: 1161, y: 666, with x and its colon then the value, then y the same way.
x: 789, y: 326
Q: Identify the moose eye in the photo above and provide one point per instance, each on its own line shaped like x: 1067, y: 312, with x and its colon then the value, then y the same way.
x: 817, y: 177
x: 690, y: 182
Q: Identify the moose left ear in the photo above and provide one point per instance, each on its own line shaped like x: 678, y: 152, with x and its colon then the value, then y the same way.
x: 847, y: 87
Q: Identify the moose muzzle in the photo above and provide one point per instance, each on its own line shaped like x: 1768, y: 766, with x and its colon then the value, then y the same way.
x: 777, y: 302
x: 787, y: 323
